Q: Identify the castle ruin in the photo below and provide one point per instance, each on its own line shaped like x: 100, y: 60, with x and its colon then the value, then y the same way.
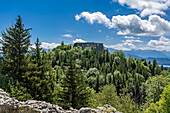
x: 97, y: 46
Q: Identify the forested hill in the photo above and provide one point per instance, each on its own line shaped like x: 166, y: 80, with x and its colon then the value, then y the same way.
x: 72, y: 77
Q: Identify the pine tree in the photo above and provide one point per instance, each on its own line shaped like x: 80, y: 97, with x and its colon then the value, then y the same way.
x: 37, y: 52
x: 153, y: 67
x: 40, y: 77
x: 162, y: 67
x: 97, y: 84
x: 75, y: 92
x: 15, y: 43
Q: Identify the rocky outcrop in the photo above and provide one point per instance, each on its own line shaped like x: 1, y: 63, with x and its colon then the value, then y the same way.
x: 12, y: 105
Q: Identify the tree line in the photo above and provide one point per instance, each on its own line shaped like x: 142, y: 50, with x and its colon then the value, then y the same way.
x: 72, y: 77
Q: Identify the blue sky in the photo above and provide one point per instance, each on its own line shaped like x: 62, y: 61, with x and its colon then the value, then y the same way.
x: 119, y: 24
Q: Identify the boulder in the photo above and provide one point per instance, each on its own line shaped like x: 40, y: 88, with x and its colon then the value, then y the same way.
x: 109, y: 107
x: 85, y: 110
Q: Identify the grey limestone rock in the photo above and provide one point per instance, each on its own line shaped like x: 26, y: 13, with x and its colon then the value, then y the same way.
x: 85, y: 110
x: 109, y: 107
x: 12, y: 105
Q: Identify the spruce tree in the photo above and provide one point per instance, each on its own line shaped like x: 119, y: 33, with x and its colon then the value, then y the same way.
x: 97, y: 84
x: 15, y: 43
x: 74, y: 92
x: 41, y: 79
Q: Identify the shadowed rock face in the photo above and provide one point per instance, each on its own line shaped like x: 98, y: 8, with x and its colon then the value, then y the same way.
x: 12, y: 109
x: 12, y: 105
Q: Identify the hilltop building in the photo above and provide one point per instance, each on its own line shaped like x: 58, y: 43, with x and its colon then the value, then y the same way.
x: 98, y: 46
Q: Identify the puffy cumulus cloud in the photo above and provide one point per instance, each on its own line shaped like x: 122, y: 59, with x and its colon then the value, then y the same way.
x: 79, y: 40
x: 161, y: 44
x: 130, y: 24
x: 95, y: 17
x: 46, y: 45
x: 67, y: 35
x: 133, y: 24
x: 147, y: 7
x: 162, y: 41
x: 100, y: 30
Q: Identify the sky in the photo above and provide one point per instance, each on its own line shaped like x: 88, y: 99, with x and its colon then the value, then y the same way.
x: 118, y: 24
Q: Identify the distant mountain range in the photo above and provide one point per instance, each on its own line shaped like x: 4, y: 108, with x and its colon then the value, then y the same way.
x: 162, y: 57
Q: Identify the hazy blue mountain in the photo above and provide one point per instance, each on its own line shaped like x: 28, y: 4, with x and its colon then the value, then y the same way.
x: 111, y: 50
x: 147, y: 53
x: 144, y: 53
x: 167, y: 53
x: 160, y: 61
x: 162, y: 57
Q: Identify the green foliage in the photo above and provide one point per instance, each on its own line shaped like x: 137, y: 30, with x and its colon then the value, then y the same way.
x: 154, y: 87
x: 131, y: 64
x: 71, y: 75
x: 91, y: 75
x: 18, y: 91
x: 15, y: 42
x: 108, y: 95
x: 14, y: 88
x: 4, y: 82
x: 163, y: 105
x: 40, y: 77
x: 74, y: 92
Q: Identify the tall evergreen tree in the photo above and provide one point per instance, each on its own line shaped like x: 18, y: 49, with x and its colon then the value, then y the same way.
x: 15, y: 43
x: 75, y: 92
x: 153, y: 67
x: 40, y: 77
x: 97, y: 84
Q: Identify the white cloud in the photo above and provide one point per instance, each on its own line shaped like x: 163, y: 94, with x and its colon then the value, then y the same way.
x: 95, y: 17
x: 133, y: 24
x: 79, y: 40
x: 100, y: 30
x: 1, y: 39
x: 131, y: 37
x: 161, y: 44
x: 126, y: 45
x: 162, y: 41
x: 77, y: 17
x: 0, y: 43
x: 130, y: 24
x: 132, y: 40
x: 67, y: 35
x: 147, y: 7
x: 46, y: 45
x: 122, y: 46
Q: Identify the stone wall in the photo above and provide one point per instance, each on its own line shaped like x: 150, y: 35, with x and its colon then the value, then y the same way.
x: 98, y: 46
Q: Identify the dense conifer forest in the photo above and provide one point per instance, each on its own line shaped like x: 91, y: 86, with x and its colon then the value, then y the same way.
x: 69, y: 76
